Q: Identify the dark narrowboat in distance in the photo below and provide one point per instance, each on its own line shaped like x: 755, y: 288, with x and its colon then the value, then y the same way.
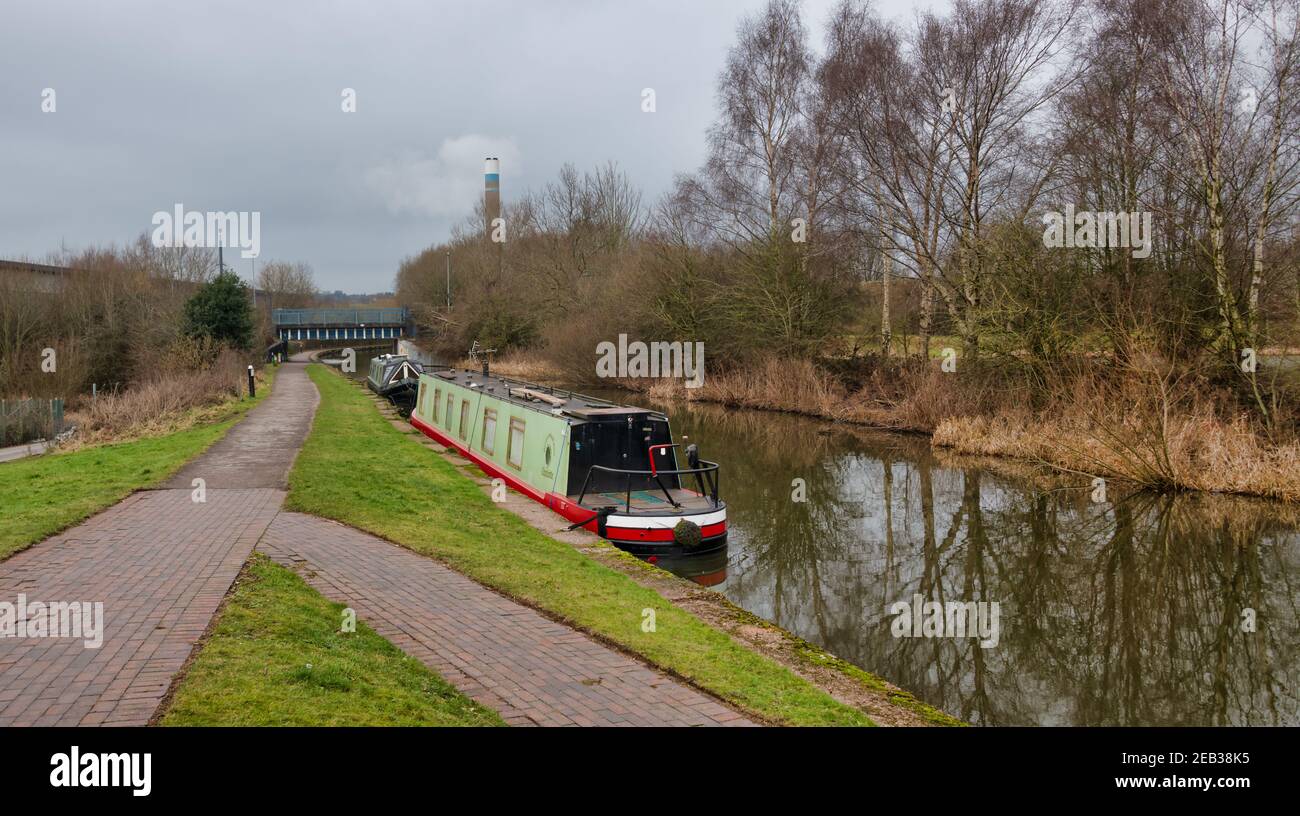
x: 394, y: 376
x: 393, y: 373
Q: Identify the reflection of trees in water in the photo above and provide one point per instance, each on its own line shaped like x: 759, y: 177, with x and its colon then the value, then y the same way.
x: 1122, y: 613
x: 790, y: 559
x: 1171, y: 584
x: 1118, y: 615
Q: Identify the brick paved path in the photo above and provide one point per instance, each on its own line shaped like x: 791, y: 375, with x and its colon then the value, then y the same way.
x: 161, y: 563
x: 531, y: 669
x: 259, y: 451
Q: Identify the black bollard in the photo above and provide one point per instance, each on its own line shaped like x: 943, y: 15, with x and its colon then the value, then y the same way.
x: 252, y: 390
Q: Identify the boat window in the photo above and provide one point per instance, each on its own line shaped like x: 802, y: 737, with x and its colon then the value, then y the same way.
x: 515, y: 445
x: 489, y: 431
x: 437, y: 403
x: 547, y: 456
x: 464, y: 419
x: 419, y: 398
x: 451, y: 403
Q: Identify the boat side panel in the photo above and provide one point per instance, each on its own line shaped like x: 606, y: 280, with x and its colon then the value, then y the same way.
x: 540, y: 431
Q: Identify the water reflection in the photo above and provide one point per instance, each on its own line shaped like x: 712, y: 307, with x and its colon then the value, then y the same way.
x: 1128, y: 612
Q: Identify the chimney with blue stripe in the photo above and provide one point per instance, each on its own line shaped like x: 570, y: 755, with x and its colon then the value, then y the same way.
x: 491, y: 190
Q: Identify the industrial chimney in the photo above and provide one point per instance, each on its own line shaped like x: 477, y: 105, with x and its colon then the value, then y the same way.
x: 491, y: 190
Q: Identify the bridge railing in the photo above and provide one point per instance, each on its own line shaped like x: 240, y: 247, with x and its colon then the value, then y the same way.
x: 340, y: 317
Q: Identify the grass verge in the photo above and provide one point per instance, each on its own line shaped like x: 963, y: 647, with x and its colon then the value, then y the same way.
x: 276, y: 657
x: 42, y: 495
x: 358, y: 469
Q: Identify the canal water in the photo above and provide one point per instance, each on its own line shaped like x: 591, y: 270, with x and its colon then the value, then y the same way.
x: 364, y: 355
x: 1136, y: 609
x: 1140, y: 609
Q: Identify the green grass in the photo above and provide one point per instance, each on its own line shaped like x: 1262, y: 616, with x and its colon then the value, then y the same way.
x: 42, y: 495
x: 277, y: 657
x: 358, y: 469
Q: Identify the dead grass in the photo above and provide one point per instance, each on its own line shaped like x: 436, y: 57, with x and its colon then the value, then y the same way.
x: 522, y: 366
x: 172, y: 401
x: 1196, y: 450
x: 916, y: 401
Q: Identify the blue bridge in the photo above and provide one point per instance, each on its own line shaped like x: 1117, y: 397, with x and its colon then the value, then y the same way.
x: 341, y: 324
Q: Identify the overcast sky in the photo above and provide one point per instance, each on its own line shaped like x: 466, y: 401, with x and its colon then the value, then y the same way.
x: 237, y: 106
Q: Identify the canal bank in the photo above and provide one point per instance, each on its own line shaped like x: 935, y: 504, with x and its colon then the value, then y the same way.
x: 408, y: 494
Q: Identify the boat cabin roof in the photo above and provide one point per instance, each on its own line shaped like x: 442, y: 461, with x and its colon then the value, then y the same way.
x: 542, y: 398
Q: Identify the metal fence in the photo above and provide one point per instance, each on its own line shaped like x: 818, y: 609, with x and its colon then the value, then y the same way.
x: 24, y: 420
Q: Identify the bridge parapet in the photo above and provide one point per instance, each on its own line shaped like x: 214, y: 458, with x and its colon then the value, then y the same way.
x: 341, y: 324
x: 341, y: 317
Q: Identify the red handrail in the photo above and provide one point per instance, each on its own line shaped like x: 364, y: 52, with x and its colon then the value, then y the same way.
x: 653, y: 471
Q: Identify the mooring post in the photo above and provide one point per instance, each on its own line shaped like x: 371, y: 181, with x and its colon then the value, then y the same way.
x: 252, y: 391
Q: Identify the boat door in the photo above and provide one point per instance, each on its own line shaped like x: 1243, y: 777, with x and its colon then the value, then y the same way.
x: 621, y: 443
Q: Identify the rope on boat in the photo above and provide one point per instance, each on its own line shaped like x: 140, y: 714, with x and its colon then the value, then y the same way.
x: 604, y: 511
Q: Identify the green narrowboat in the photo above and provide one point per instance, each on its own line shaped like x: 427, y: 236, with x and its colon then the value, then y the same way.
x: 610, y: 468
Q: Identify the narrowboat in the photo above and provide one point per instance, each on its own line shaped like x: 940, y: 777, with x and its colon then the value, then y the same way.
x: 609, y: 468
x: 393, y: 376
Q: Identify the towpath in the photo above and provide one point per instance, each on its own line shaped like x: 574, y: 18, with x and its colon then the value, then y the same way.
x: 161, y: 562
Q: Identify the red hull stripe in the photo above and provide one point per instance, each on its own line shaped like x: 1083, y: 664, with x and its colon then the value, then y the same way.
x: 660, y: 533
x: 560, y: 504
x: 486, y: 465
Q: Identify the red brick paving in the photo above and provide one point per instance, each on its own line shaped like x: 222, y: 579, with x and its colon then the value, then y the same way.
x: 160, y: 563
x: 506, y: 656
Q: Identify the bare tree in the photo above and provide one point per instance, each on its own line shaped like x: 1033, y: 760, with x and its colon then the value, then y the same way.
x: 751, y: 174
x: 940, y: 127
x: 1237, y: 128
x: 287, y: 285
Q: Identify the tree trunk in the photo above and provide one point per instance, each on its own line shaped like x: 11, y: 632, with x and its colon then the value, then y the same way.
x: 886, y: 331
x: 927, y: 316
